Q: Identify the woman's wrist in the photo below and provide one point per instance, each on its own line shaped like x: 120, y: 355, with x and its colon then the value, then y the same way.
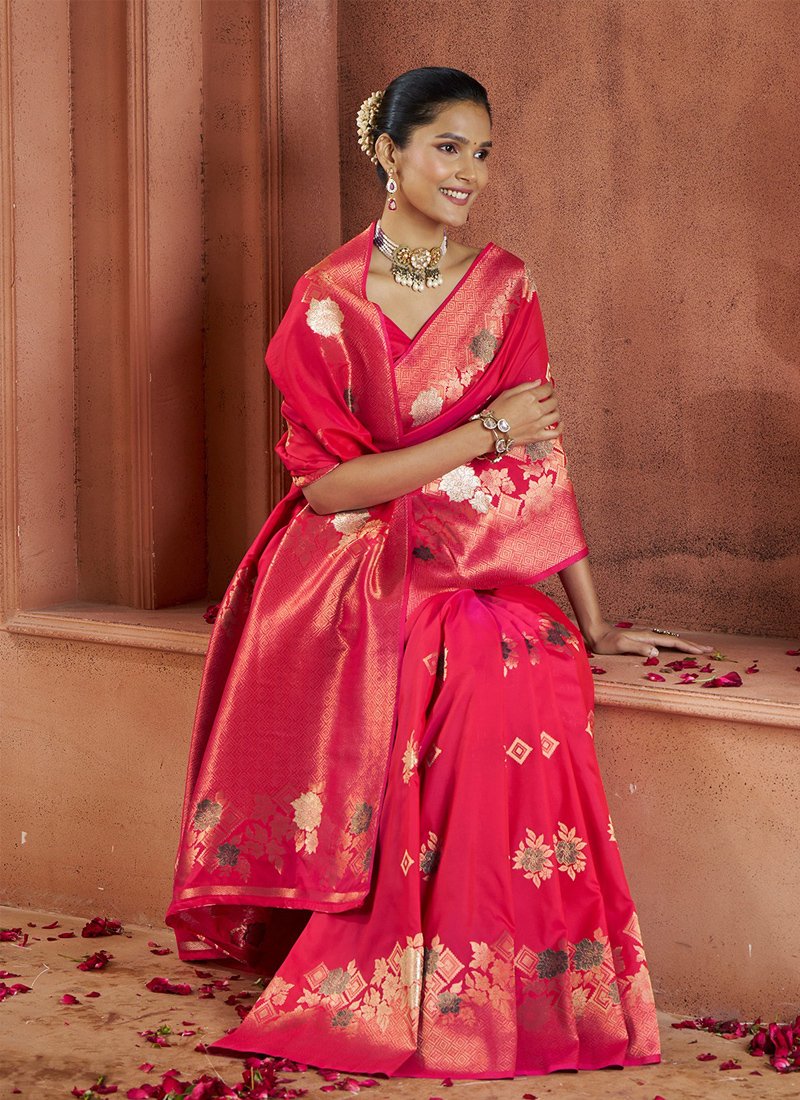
x: 593, y: 633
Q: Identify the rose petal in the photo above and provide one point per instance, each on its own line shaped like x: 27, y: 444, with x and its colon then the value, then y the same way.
x: 597, y: 671
x: 68, y: 999
x: 102, y: 926
x: 651, y: 661
x: 164, y: 985
x: 655, y: 676
x: 623, y: 626
x: 97, y: 961
x: 793, y: 652
x: 730, y: 679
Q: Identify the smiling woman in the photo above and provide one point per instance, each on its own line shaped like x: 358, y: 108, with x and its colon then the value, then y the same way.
x: 394, y: 738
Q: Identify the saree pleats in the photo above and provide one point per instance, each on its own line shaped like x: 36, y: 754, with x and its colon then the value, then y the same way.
x: 499, y: 937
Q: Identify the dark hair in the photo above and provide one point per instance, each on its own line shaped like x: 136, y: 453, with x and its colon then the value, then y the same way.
x: 415, y: 98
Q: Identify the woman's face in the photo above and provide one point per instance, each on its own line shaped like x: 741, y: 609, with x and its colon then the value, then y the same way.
x: 448, y: 154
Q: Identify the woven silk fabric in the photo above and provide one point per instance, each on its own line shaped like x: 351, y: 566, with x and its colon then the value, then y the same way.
x: 499, y: 937
x: 298, y: 702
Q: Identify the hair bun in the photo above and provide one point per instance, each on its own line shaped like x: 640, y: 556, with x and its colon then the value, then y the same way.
x: 365, y: 123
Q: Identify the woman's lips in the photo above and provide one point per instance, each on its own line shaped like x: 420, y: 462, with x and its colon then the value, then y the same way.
x: 453, y: 199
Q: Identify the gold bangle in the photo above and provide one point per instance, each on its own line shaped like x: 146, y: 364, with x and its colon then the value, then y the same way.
x: 493, y: 423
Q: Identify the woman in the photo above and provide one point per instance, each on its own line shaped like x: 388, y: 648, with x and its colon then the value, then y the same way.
x: 393, y: 805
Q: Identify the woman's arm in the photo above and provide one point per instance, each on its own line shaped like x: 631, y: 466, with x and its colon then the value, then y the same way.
x: 600, y: 635
x: 579, y: 586
x: 373, y: 479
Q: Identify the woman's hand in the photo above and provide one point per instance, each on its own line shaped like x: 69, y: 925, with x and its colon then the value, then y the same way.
x: 531, y: 410
x: 615, y: 639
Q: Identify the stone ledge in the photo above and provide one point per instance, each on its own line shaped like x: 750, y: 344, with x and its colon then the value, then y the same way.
x: 180, y: 629
x: 770, y: 697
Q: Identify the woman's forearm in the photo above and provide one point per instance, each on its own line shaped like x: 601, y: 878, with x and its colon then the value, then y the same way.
x: 579, y: 586
x: 373, y: 479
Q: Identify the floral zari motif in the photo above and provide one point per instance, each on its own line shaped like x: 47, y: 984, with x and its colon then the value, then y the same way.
x: 431, y: 986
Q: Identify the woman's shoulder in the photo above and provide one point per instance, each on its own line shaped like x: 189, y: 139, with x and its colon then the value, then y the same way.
x: 515, y: 269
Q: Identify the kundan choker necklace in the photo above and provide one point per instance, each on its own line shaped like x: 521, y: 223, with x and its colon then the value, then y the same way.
x: 414, y: 267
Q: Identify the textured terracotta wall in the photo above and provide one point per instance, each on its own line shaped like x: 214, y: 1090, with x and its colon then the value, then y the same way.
x: 644, y: 166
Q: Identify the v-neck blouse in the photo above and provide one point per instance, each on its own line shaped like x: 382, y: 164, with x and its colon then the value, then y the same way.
x: 399, y: 341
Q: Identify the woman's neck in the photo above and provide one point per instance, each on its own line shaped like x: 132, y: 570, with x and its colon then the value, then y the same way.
x: 412, y: 232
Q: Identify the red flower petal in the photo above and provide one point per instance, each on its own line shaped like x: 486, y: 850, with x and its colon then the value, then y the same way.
x: 730, y: 679
x: 651, y: 661
x: 793, y: 652
x: 164, y: 985
x: 53, y: 925
x: 597, y: 671
x: 752, y: 668
x: 707, y: 1057
x: 102, y: 926
x: 94, y: 993
x: 68, y: 999
x: 623, y: 626
x: 688, y: 678
x: 730, y: 1064
x: 655, y: 676
x: 97, y: 961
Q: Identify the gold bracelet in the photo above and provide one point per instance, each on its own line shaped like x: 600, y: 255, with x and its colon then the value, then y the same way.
x: 492, y: 423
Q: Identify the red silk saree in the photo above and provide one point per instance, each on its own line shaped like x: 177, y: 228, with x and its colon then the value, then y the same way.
x: 393, y: 808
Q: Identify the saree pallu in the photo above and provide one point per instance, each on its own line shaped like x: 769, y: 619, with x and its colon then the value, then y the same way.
x: 309, y: 699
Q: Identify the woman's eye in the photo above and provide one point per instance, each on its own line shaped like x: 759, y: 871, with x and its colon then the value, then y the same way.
x: 484, y: 152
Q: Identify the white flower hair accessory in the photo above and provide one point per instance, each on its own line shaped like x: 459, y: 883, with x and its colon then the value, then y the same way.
x: 365, y: 123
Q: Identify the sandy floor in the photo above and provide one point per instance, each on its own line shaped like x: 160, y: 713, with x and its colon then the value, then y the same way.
x: 47, y: 1048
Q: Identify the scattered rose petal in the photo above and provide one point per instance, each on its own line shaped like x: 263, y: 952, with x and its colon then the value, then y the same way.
x: 210, y: 613
x: 145, y: 1067
x: 102, y: 926
x: 53, y: 925
x: 730, y: 1064
x: 8, y: 974
x: 164, y: 985
x: 651, y: 661
x: 10, y: 935
x: 12, y: 990
x: 688, y: 678
x: 597, y: 671
x: 707, y: 668
x: 655, y: 676
x: 63, y: 936
x: 707, y: 1057
x: 98, y: 961
x: 730, y: 679
x: 157, y: 949
x: 623, y: 626
x: 681, y: 663
x: 94, y: 993
x: 793, y: 652
x: 68, y: 999
x: 752, y: 668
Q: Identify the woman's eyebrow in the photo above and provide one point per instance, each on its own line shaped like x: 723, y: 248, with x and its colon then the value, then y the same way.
x: 460, y: 137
